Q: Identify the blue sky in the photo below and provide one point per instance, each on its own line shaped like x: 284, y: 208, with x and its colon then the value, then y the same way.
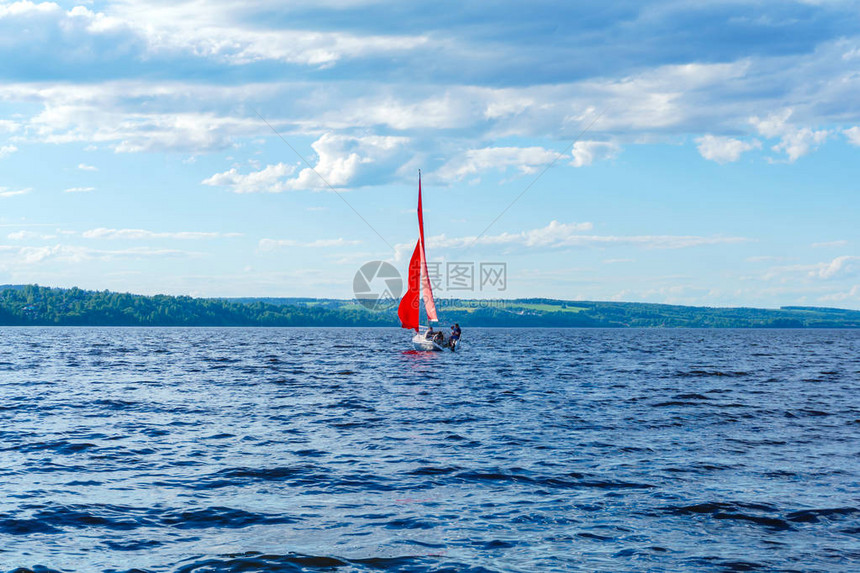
x: 700, y: 152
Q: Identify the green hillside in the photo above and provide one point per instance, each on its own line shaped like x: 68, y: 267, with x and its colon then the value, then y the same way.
x: 35, y: 305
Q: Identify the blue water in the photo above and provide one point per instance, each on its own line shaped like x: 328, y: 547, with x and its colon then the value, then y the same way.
x: 203, y: 450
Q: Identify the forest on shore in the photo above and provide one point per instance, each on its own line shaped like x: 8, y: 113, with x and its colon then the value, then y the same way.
x: 22, y: 305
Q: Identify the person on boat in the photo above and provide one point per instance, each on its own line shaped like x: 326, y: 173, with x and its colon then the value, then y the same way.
x: 439, y: 337
x: 430, y: 335
x: 455, y: 332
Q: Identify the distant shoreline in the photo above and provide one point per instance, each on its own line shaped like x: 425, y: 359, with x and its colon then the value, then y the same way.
x: 33, y: 305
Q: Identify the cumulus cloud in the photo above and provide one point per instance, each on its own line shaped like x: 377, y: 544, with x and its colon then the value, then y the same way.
x: 347, y: 160
x: 587, y: 152
x: 838, y: 267
x: 270, y: 179
x: 724, y: 149
x: 795, y: 142
x: 7, y: 150
x: 835, y: 269
x: 474, y: 161
x: 853, y: 135
x: 341, y: 161
x: 9, y: 126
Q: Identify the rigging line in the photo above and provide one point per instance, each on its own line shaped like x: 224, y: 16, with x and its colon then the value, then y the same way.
x: 323, y: 179
x: 539, y: 175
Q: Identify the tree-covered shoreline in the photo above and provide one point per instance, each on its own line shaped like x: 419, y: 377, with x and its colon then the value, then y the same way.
x: 22, y: 305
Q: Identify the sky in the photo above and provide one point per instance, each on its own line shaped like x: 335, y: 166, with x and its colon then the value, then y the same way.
x: 671, y: 151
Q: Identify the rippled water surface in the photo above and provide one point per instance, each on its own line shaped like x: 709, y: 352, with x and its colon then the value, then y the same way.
x: 203, y: 450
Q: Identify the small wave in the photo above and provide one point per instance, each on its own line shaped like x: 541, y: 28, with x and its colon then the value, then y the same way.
x: 432, y: 471
x: 61, y: 447
x: 241, y: 476
x: 727, y: 564
x: 815, y: 515
x: 13, y: 526
x: 220, y: 517
x: 410, y: 523
x: 296, y: 562
x: 691, y: 397
x: 734, y: 511
x: 570, y: 481
x: 709, y: 373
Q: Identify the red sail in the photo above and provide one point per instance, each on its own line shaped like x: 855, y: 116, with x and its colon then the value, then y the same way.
x: 418, y: 281
x: 426, y: 288
x: 408, y: 309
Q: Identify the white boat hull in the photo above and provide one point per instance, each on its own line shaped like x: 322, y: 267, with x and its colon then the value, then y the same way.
x: 422, y: 344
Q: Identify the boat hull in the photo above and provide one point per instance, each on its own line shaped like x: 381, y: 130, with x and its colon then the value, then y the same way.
x: 423, y: 345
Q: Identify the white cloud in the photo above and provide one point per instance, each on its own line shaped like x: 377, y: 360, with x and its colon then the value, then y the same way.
x: 85, y: 167
x: 838, y: 267
x: 828, y: 244
x: 557, y: 235
x: 341, y: 161
x: 346, y: 160
x: 7, y: 150
x: 6, y: 192
x: 24, y: 235
x: 852, y: 294
x: 724, y: 149
x: 268, y: 180
x: 853, y: 135
x: 795, y: 142
x: 139, y: 234
x: 26, y: 7
x: 218, y: 32
x: 9, y: 126
x: 79, y: 189
x: 587, y: 152
x: 76, y: 254
x: 474, y: 161
x: 272, y: 244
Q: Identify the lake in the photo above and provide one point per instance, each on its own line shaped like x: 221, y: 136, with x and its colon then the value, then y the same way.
x: 203, y: 450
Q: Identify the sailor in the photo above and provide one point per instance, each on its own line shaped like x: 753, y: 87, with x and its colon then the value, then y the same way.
x: 430, y: 334
x: 455, y: 332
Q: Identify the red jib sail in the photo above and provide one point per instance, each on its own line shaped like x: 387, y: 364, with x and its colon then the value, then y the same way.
x: 408, y: 309
x: 418, y: 281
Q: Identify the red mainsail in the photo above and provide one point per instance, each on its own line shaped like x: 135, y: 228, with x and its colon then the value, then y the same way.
x: 418, y: 281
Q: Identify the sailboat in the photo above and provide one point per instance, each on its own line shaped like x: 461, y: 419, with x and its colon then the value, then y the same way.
x: 418, y: 289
